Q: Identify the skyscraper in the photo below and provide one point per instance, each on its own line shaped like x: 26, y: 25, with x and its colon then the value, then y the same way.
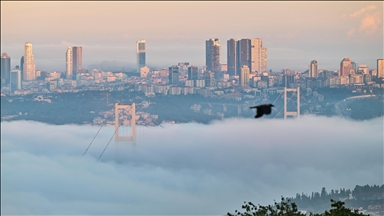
x: 140, y: 51
x: 243, y: 54
x: 68, y: 64
x: 29, y: 63
x: 231, y: 56
x: 380, y: 68
x: 264, y: 60
x: 209, y: 78
x: 77, y: 60
x: 244, y: 75
x: 251, y: 52
x: 312, y: 69
x: 15, y: 80
x: 174, y: 74
x: 345, y: 67
x: 255, y: 55
x: 212, y: 54
x: 193, y: 74
x: 22, y: 67
x: 5, y: 68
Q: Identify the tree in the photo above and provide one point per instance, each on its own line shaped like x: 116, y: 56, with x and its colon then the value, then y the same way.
x: 288, y: 208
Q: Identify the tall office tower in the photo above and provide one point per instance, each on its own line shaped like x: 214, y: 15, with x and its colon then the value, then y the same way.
x: 209, y: 78
x: 22, y: 67
x: 264, y: 60
x: 29, y: 63
x: 140, y: 51
x: 231, y: 56
x: 77, y: 60
x: 212, y: 54
x: 193, y: 74
x: 345, y: 67
x: 174, y: 74
x: 312, y: 69
x: 380, y: 68
x: 15, y: 80
x: 354, y: 66
x: 5, y: 68
x: 69, y: 64
x: 244, y: 75
x: 256, y: 54
x: 243, y: 54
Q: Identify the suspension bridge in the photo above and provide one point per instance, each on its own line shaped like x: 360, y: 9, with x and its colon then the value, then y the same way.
x: 130, y: 110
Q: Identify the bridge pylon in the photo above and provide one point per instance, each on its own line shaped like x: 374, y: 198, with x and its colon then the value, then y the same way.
x: 133, y: 122
x: 288, y: 113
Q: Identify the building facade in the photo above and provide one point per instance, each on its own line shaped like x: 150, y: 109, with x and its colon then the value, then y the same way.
x: 15, y: 80
x: 174, y: 74
x: 380, y: 68
x: 29, y: 63
x: 5, y: 68
x: 345, y: 67
x: 77, y: 60
x: 244, y: 75
x: 312, y: 69
x: 69, y: 63
x: 212, y: 54
x: 231, y: 56
x: 140, y: 52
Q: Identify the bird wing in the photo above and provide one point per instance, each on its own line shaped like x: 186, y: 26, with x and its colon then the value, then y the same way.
x: 259, y: 112
x: 268, y: 110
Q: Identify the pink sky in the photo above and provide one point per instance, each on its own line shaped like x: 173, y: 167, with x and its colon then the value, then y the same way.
x: 294, y: 32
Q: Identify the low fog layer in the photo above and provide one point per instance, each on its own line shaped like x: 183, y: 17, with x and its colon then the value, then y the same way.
x: 185, y: 168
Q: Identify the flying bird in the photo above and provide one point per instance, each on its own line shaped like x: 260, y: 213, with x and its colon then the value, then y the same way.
x: 262, y: 109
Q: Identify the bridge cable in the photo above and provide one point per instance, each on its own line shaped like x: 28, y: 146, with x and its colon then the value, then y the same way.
x: 108, y: 143
x: 93, y: 140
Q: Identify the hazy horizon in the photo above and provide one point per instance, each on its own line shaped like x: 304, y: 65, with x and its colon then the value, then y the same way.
x: 184, y: 169
x: 295, y: 33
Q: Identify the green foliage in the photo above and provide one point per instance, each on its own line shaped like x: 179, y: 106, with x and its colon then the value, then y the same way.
x: 288, y: 208
x: 285, y: 207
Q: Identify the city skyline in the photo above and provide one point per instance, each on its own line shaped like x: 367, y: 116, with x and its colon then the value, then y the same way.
x: 292, y: 41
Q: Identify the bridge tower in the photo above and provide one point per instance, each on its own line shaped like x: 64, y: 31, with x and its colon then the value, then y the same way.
x: 133, y: 122
x: 287, y: 113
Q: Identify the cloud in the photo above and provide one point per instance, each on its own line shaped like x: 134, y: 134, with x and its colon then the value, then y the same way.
x: 351, y: 32
x: 371, y: 23
x: 362, y: 10
x: 183, y: 169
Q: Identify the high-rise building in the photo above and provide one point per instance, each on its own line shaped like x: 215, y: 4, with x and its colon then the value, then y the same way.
x: 5, y: 68
x: 244, y: 75
x: 15, y: 80
x: 256, y: 54
x: 77, y: 60
x: 345, y: 67
x: 264, y: 60
x: 29, y: 63
x: 193, y: 74
x: 69, y: 63
x: 243, y: 54
x: 174, y: 74
x: 354, y: 66
x: 22, y: 67
x: 209, y: 78
x: 312, y: 69
x: 380, y: 68
x: 212, y: 54
x: 231, y: 56
x: 140, y: 51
